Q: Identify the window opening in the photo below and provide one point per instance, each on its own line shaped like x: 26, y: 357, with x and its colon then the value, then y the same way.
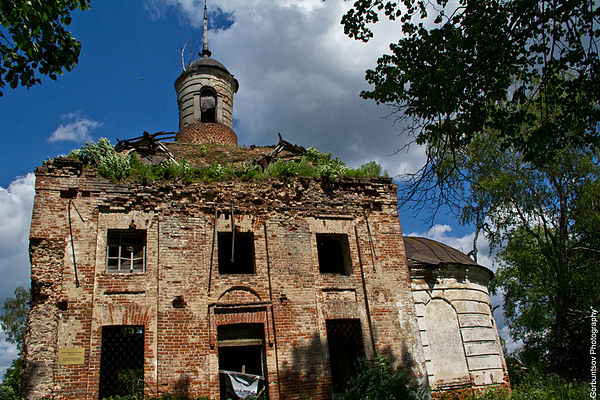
x: 243, y: 254
x: 242, y: 368
x: 345, y: 342
x: 208, y: 106
x: 122, y: 361
x: 334, y: 254
x: 126, y: 250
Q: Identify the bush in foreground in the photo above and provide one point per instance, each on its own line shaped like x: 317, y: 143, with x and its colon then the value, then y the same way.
x: 378, y: 380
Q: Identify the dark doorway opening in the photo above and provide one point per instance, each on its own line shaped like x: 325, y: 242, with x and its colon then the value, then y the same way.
x: 243, y: 254
x: 244, y: 359
x: 241, y: 360
x: 208, y: 106
x: 122, y: 361
x: 345, y: 342
x: 334, y: 254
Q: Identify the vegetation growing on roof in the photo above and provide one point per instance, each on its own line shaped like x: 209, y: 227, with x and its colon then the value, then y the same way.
x: 110, y: 164
x: 117, y: 167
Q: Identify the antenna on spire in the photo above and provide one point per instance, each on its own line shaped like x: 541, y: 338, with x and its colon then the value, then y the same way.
x: 205, y: 51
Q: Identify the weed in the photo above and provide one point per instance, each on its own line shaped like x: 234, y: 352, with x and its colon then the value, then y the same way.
x: 118, y: 166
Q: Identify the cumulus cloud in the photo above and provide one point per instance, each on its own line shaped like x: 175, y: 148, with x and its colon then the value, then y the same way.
x: 301, y: 76
x: 76, y: 127
x: 16, y: 204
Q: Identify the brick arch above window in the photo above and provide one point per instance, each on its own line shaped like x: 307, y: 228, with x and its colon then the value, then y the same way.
x: 239, y: 295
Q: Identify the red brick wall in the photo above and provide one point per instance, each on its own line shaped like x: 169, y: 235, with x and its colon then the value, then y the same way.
x: 205, y: 132
x: 287, y: 294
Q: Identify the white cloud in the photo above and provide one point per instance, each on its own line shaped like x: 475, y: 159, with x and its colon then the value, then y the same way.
x: 75, y: 128
x: 301, y: 76
x: 511, y: 345
x: 16, y: 204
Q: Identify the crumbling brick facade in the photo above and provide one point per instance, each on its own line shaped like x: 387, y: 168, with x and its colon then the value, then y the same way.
x: 181, y: 299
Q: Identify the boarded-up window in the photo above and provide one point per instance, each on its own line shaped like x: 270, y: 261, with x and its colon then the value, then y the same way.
x: 334, y: 254
x: 208, y: 106
x: 122, y: 361
x: 126, y: 250
x: 241, y: 260
x: 345, y: 342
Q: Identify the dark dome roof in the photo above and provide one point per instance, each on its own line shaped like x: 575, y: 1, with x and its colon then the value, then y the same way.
x: 429, y: 251
x: 202, y: 62
x: 206, y: 62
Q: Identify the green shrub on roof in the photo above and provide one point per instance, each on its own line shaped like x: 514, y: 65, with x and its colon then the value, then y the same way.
x: 111, y: 165
x: 120, y: 166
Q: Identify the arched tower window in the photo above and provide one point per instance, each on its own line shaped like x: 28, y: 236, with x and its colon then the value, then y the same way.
x: 208, y: 105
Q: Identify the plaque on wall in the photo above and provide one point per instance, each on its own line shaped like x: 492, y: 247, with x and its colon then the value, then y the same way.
x: 71, y: 356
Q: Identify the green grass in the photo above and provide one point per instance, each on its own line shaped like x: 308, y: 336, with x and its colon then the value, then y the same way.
x: 533, y: 387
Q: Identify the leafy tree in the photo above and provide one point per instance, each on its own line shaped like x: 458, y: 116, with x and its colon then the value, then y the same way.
x: 33, y: 40
x: 13, y: 320
x: 378, y: 380
x: 548, y: 296
x: 464, y: 67
x: 11, y: 385
x: 14, y: 317
x: 546, y: 220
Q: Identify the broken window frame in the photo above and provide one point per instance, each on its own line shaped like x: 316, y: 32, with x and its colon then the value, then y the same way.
x: 224, y: 253
x: 125, y: 265
x: 346, y: 260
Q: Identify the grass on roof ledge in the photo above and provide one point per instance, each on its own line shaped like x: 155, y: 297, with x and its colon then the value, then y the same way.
x: 121, y: 167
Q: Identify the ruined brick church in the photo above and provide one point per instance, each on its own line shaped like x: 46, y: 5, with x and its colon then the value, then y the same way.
x: 238, y: 288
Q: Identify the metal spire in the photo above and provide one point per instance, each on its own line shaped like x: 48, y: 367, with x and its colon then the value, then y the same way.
x: 205, y: 51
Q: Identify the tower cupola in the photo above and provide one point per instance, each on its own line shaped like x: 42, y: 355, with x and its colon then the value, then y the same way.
x: 205, y: 92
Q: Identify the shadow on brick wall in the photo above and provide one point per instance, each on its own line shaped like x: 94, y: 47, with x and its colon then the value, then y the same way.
x: 182, y: 386
x: 304, y: 374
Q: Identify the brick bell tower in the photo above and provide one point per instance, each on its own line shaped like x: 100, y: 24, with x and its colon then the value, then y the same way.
x: 205, y: 91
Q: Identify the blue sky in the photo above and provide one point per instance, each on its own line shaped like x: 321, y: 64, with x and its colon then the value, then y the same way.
x: 298, y: 74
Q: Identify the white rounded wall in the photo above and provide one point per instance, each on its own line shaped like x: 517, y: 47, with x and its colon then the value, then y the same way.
x: 460, y: 339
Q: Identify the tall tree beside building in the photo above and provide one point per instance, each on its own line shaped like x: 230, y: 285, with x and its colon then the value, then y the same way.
x: 34, y: 40
x: 13, y: 319
x: 545, y: 222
